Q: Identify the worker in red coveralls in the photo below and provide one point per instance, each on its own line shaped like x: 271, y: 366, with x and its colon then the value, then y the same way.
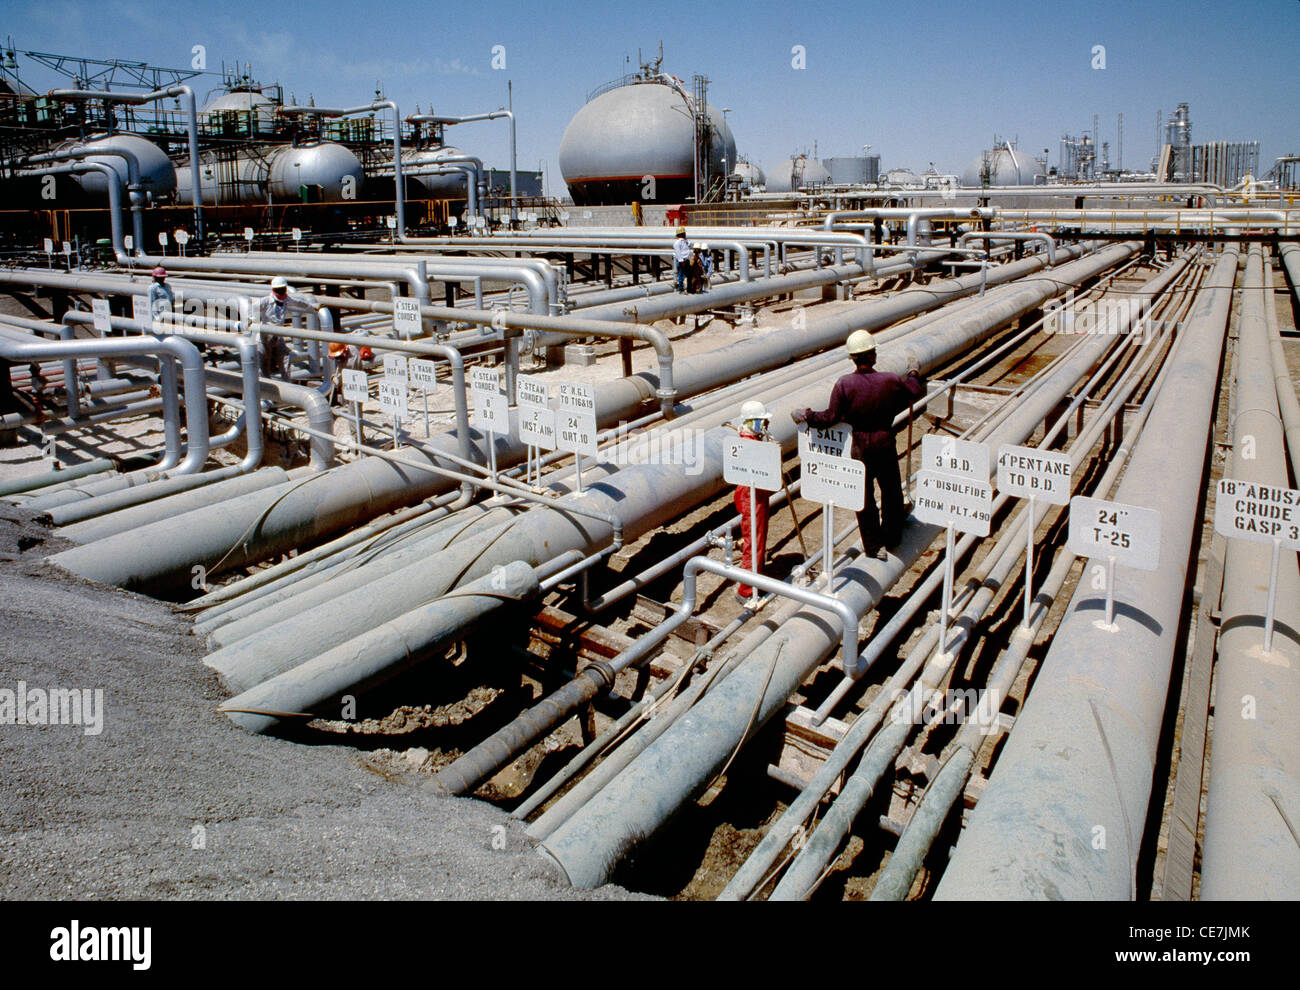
x: 753, y: 426
x: 868, y: 400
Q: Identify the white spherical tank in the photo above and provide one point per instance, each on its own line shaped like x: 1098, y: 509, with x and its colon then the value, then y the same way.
x: 1003, y: 167
x: 793, y: 173
x: 642, y: 130
x: 157, y: 176
x: 330, y: 171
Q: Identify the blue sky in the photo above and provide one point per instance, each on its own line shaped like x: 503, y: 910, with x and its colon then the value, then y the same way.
x: 920, y: 83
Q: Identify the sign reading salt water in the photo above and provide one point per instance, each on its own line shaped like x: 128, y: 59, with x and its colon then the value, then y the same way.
x: 1128, y: 533
x: 406, y: 317
x: 355, y: 385
x: 102, y: 316
x: 944, y: 499
x: 1244, y: 510
x: 835, y: 440
x: 752, y: 463
x: 837, y: 481
x: 952, y: 456
x: 1027, y: 472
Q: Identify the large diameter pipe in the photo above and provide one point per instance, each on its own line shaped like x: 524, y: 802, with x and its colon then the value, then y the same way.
x: 1251, y: 850
x: 376, y: 655
x: 1083, y: 750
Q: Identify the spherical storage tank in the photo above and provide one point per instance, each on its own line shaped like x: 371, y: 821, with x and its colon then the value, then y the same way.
x: 237, y: 110
x: 642, y: 129
x: 795, y: 172
x: 157, y: 176
x: 1003, y: 167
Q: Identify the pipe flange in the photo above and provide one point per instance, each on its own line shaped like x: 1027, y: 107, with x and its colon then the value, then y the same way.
x: 665, y: 393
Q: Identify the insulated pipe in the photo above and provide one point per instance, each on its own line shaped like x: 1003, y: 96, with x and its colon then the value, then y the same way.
x: 491, y: 115
x: 32, y: 483
x: 472, y: 182
x: 1251, y: 849
x: 399, y: 184
x: 1083, y: 748
x: 683, y: 761
x: 1012, y: 235
x: 134, y: 194
x: 116, y: 234
x: 372, y: 657
x: 319, y: 415
x: 191, y: 121
x: 196, y: 410
x: 1288, y: 404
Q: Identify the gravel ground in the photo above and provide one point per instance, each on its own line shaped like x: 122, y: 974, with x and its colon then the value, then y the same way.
x: 170, y: 800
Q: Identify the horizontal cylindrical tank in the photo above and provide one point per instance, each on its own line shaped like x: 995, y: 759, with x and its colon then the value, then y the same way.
x: 329, y: 171
x: 157, y: 175
x: 450, y: 186
x: 796, y: 172
x: 625, y: 136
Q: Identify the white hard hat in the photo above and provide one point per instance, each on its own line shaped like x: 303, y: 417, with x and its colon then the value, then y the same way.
x: 861, y: 342
x: 704, y: 247
x: 753, y: 409
x: 279, y: 283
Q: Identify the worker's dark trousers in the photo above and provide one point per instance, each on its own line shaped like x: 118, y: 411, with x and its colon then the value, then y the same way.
x: 882, y: 469
x: 753, y: 550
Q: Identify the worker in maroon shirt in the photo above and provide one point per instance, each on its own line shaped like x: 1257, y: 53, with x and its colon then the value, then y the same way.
x: 868, y: 400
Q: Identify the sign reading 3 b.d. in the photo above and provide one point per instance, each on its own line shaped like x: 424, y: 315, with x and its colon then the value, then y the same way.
x: 835, y: 440
x: 837, y: 481
x: 752, y: 463
x: 1129, y: 533
x: 952, y: 456
x: 1027, y: 472
x: 944, y: 499
x: 1244, y: 510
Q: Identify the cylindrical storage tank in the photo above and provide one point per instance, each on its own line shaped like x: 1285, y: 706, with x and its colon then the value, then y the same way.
x: 645, y: 129
x: 1003, y: 167
x: 852, y: 171
x: 225, y: 183
x: 239, y: 112
x: 448, y: 186
x: 794, y: 173
x: 157, y: 176
x: 330, y: 172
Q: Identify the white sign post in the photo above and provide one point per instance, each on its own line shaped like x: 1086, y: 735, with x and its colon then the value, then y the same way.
x: 576, y: 424
x: 1128, y: 534
x: 491, y: 410
x: 102, y: 316
x: 755, y: 464
x: 49, y: 253
x: 833, y: 481
x: 140, y: 312
x: 1027, y: 472
x: 534, y: 401
x: 1244, y: 510
x: 425, y: 374
x: 356, y: 389
x: 392, y: 392
x: 406, y: 317
x: 182, y: 237
x: 296, y: 234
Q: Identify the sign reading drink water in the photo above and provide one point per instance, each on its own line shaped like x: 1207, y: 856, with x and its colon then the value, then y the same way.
x: 835, y: 440
x: 576, y: 419
x: 1244, y: 510
x: 838, y: 481
x: 356, y: 385
x: 752, y: 463
x: 1129, y: 533
x: 1027, y: 472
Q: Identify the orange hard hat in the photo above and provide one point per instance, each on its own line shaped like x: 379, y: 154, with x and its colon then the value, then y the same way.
x: 337, y: 350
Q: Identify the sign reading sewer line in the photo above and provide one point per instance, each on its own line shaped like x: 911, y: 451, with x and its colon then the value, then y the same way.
x: 837, y: 481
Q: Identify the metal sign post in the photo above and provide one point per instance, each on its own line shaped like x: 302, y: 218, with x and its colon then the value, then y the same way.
x: 1032, y: 473
x: 576, y: 426
x: 753, y: 464
x: 1124, y: 534
x: 1245, y: 510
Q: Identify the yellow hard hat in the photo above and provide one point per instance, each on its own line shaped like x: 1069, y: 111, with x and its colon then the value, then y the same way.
x: 861, y: 342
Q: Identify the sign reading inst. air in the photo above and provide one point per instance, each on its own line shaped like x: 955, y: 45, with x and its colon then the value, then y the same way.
x: 752, y: 463
x: 838, y: 481
x: 423, y: 373
x: 406, y: 317
x: 835, y: 440
x: 102, y: 316
x: 356, y: 385
x: 395, y: 369
x: 942, y: 498
x: 531, y: 393
x: 491, y: 412
x: 537, y: 426
x: 1129, y: 533
x: 1244, y: 510
x: 486, y: 380
x: 952, y: 456
x: 575, y: 419
x: 1027, y: 472
x: 392, y: 397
